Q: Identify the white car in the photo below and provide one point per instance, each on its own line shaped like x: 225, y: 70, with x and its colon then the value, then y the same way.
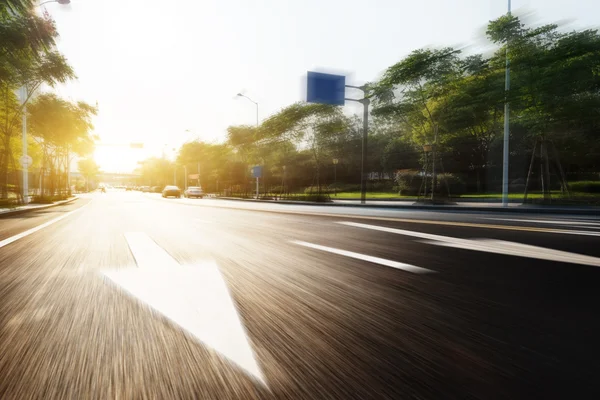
x: 194, y: 191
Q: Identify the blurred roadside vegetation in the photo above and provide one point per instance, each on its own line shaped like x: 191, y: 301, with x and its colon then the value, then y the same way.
x: 434, y: 104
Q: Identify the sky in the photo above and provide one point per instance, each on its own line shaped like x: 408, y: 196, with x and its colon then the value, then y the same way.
x: 165, y: 72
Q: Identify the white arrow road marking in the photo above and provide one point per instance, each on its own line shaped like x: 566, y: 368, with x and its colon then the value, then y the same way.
x: 490, y: 246
x: 194, y: 297
x: 364, y: 257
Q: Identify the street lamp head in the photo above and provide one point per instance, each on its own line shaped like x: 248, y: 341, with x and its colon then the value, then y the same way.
x: 64, y: 2
x: 240, y: 95
x: 335, y: 161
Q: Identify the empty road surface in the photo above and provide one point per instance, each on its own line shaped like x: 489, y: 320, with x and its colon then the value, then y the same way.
x: 125, y: 295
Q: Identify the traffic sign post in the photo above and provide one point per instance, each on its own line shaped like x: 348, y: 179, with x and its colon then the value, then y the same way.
x: 257, y: 173
x: 330, y: 89
x: 326, y: 88
x: 26, y: 161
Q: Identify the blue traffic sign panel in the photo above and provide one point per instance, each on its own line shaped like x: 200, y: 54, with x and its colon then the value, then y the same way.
x: 257, y: 171
x: 325, y: 88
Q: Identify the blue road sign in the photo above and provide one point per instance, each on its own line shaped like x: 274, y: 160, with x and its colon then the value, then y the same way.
x: 257, y: 171
x: 325, y: 88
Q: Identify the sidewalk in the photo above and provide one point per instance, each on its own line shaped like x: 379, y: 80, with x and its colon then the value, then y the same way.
x: 33, y: 207
x: 483, y: 206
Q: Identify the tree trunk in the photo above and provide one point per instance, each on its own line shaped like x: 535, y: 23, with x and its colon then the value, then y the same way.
x: 529, y: 172
x: 546, y: 171
x: 4, y: 169
x: 18, y: 185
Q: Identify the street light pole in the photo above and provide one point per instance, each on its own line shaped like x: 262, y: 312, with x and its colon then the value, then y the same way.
x: 505, y: 158
x: 363, y: 162
x: 255, y: 103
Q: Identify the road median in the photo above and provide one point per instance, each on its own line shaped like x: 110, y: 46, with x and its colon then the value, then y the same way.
x: 459, y: 206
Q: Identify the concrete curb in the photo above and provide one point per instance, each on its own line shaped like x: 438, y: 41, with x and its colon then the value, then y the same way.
x: 528, y: 209
x: 37, y: 208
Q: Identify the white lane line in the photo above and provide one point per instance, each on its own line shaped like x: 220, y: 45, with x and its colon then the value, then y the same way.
x: 522, y: 250
x: 364, y: 257
x: 37, y: 228
x: 489, y: 245
x: 147, y: 253
x: 421, y: 235
x: 443, y: 238
x: 194, y: 297
x: 543, y: 221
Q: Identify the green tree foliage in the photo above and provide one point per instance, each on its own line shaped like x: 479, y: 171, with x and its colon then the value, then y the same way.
x: 89, y: 169
x: 432, y: 96
x: 63, y: 130
x: 27, y: 60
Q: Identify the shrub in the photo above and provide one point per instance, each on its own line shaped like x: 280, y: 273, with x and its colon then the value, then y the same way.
x: 315, y: 189
x: 8, y: 203
x: 455, y: 183
x: 408, y: 181
x: 585, y: 186
x: 381, y: 186
x: 319, y: 198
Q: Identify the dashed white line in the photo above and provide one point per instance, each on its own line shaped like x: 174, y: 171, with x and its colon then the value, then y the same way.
x: 364, y: 257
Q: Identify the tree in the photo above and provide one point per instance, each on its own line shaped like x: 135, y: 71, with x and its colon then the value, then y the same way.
x: 314, y: 127
x: 62, y: 129
x: 89, y: 169
x: 26, y: 62
x: 412, y: 92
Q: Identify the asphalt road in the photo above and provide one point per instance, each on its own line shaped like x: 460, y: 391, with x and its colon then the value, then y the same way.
x: 126, y: 295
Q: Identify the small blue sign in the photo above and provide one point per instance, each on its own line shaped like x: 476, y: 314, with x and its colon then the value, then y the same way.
x: 257, y: 171
x: 325, y: 88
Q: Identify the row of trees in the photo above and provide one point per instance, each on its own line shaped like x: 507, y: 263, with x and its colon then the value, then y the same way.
x: 58, y: 129
x: 436, y: 100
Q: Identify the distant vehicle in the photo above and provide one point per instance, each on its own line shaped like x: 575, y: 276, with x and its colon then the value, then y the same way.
x: 156, y: 189
x: 145, y: 189
x: 171, y: 191
x: 194, y: 191
x: 128, y: 189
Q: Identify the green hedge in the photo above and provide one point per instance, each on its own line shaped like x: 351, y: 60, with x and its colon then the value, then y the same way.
x: 8, y: 203
x: 585, y: 186
x: 410, y: 181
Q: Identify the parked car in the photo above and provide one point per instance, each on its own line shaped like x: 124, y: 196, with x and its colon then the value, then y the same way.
x: 194, y: 191
x: 171, y: 191
x: 156, y: 189
x: 145, y: 189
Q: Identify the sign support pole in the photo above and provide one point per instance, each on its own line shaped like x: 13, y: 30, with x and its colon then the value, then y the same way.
x: 257, y: 178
